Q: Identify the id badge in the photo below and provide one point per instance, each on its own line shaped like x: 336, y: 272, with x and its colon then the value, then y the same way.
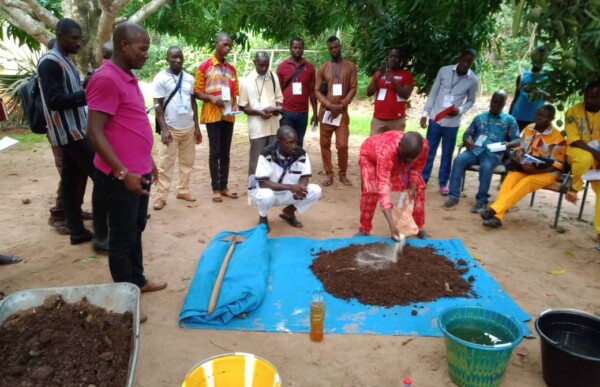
x: 480, y: 140
x: 296, y: 88
x: 225, y: 93
x: 337, y: 89
x: 402, y: 199
x: 594, y: 144
x: 182, y: 109
x: 381, y: 94
x: 448, y: 99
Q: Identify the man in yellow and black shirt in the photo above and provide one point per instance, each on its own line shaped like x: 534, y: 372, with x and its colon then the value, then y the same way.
x: 583, y: 137
x: 539, y: 163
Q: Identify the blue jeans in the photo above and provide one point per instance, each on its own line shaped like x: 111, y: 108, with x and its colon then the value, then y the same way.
x: 447, y: 135
x: 486, y: 161
x: 296, y: 120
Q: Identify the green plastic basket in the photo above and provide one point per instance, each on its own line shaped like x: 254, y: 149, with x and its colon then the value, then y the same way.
x: 478, y: 365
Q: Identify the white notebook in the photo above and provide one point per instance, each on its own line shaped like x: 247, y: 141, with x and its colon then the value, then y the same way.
x: 7, y: 142
x: 334, y: 122
x: 591, y: 175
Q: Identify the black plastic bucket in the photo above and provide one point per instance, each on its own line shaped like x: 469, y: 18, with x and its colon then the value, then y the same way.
x: 570, y: 348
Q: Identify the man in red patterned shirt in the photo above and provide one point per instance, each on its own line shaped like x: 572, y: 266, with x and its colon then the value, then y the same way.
x: 217, y: 86
x: 393, y: 87
x: 392, y: 162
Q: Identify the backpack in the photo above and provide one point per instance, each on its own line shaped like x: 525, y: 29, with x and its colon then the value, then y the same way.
x: 31, y: 99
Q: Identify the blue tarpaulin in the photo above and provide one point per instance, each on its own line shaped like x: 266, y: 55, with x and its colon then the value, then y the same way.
x: 289, y: 284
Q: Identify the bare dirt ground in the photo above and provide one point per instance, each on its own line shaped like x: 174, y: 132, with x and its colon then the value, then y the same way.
x: 519, y: 256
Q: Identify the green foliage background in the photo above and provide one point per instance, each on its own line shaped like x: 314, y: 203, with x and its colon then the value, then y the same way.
x: 430, y: 34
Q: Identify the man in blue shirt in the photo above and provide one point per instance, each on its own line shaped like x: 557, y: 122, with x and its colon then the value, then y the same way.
x: 491, y: 127
x: 525, y: 104
x: 454, y: 89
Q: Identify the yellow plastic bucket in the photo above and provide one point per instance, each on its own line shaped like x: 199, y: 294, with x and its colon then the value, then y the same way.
x: 233, y: 370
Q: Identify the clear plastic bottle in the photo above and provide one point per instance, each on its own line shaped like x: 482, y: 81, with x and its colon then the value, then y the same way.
x: 407, y: 382
x: 313, y: 127
x: 317, y: 316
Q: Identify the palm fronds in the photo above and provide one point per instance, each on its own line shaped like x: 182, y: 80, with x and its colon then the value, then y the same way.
x: 11, y: 82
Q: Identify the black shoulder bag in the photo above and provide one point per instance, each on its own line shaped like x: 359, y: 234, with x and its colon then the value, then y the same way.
x: 156, y: 124
x: 287, y: 83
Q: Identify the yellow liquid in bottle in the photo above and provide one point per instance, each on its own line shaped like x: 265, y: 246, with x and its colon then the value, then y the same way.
x: 317, y: 317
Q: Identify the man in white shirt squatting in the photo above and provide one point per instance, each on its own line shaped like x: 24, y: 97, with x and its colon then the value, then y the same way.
x: 282, y: 175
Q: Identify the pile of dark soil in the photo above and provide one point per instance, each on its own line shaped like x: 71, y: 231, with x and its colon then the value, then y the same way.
x: 419, y: 275
x: 61, y: 344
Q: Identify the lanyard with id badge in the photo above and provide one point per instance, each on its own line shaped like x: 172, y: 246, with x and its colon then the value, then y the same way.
x: 296, y: 84
x: 337, y: 86
x: 225, y: 89
x: 183, y: 107
x: 594, y: 143
x: 382, y: 93
x: 296, y: 88
x: 450, y: 99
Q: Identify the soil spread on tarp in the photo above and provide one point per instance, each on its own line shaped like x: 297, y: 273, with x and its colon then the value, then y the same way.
x: 364, y: 272
x: 61, y: 344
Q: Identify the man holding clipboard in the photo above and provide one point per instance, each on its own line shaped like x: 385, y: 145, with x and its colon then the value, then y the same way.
x: 335, y: 88
x: 452, y: 94
x: 260, y: 99
x: 217, y: 86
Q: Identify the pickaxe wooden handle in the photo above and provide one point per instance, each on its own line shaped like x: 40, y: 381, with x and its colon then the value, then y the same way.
x: 216, y: 289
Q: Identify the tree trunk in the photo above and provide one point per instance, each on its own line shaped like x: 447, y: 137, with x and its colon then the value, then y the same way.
x: 87, y: 14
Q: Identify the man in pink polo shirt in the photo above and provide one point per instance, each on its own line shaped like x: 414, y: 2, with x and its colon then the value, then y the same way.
x: 121, y: 134
x: 391, y: 86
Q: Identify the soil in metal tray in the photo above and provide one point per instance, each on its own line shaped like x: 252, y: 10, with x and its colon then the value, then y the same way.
x: 365, y: 272
x: 62, y: 344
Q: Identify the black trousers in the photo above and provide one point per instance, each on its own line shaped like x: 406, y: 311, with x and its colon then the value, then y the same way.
x: 219, y: 142
x: 78, y: 164
x: 127, y: 214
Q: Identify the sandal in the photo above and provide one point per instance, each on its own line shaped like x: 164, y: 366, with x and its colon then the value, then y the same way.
x: 228, y: 194
x: 571, y: 196
x: 292, y: 221
x: 7, y: 259
x: 217, y: 197
x: 345, y: 181
x: 326, y: 182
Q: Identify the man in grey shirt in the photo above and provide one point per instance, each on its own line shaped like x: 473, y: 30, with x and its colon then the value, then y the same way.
x: 455, y: 86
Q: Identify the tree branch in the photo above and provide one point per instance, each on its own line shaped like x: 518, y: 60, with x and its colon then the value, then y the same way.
x: 147, y: 10
x: 15, y: 12
x: 42, y: 13
x: 113, y: 7
x: 105, y: 28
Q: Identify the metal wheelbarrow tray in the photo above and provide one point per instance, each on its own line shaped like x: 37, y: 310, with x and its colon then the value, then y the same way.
x: 116, y: 297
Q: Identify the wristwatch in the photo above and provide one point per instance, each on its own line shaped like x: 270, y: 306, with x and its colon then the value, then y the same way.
x: 122, y: 174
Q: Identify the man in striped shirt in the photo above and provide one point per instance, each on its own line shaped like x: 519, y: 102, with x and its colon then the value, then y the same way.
x: 65, y: 109
x: 217, y: 86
